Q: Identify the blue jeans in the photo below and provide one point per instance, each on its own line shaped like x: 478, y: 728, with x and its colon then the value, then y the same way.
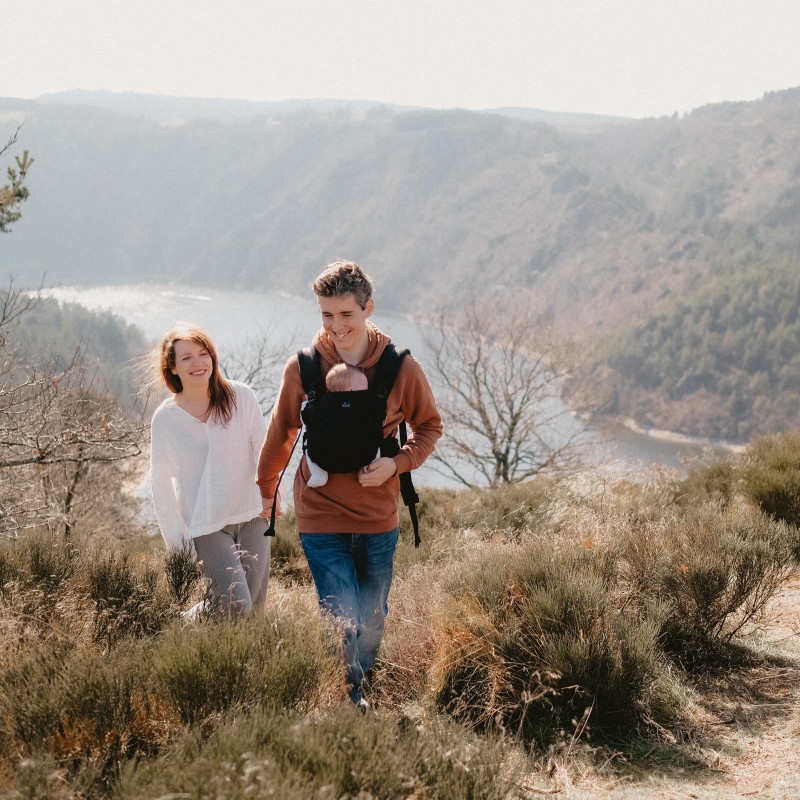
x: 353, y: 573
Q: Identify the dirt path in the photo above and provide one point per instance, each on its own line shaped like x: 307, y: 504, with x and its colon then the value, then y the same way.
x: 748, y: 743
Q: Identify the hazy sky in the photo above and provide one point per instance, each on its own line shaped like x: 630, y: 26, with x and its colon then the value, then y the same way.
x: 627, y: 57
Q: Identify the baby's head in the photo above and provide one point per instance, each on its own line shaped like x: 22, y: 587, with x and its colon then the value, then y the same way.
x: 344, y: 378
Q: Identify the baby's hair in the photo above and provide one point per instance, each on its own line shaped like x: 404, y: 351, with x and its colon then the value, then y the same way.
x: 345, y: 378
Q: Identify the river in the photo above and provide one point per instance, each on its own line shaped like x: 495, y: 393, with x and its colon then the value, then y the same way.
x: 233, y: 316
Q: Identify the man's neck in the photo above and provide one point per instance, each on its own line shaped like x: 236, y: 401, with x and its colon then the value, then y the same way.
x: 356, y: 355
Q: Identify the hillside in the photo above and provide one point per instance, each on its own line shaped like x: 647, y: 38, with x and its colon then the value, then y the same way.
x: 605, y: 226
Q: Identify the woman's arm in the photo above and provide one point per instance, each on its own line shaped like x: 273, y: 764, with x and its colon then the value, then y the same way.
x: 163, y: 471
x: 256, y: 425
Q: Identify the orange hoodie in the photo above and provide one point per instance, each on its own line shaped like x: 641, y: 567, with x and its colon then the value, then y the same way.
x: 342, y: 505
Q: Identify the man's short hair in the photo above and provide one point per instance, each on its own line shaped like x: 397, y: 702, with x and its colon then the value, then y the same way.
x: 344, y: 277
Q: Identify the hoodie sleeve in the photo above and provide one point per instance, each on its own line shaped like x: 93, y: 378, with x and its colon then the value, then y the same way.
x: 412, y: 399
x: 284, y: 425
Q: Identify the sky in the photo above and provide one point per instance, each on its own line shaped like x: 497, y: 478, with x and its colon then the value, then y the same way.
x: 633, y: 58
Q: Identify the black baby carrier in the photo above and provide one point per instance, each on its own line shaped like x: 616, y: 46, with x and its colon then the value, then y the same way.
x: 343, y: 431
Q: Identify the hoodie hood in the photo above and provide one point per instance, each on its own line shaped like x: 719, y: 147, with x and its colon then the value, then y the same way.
x: 376, y: 343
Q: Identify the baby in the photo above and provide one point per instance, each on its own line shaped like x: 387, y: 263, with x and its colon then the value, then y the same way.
x: 340, y: 378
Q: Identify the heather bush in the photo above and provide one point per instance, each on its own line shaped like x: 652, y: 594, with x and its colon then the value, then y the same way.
x: 184, y: 573
x: 710, y: 572
x: 771, y: 475
x: 287, y: 659
x: 48, y: 560
x: 535, y: 641
x: 334, y: 756
x: 716, y: 483
x: 512, y: 509
x: 129, y: 596
x: 85, y: 710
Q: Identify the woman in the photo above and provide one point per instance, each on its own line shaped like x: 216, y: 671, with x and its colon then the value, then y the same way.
x: 205, y: 441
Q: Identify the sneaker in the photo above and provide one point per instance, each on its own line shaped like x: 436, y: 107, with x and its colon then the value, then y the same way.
x: 363, y: 705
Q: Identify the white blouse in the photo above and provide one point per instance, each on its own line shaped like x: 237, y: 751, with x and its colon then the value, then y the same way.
x: 204, y: 473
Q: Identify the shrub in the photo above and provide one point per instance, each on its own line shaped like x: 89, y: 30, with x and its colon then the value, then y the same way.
x: 82, y: 708
x: 534, y: 642
x: 772, y: 475
x: 51, y: 560
x: 710, y: 572
x: 184, y: 573
x: 512, y: 509
x: 285, y: 659
x: 128, y: 597
x: 714, y: 483
x: 336, y: 756
x: 9, y: 570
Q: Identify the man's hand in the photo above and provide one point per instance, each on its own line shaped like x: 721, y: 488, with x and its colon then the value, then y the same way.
x: 378, y: 472
x: 266, y: 507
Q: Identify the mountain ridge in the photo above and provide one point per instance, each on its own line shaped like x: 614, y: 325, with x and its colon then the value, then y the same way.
x: 600, y: 227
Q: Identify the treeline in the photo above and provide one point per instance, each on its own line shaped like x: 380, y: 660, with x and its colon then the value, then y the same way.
x: 71, y: 424
x: 112, y: 351
x: 723, y: 362
x: 595, y: 225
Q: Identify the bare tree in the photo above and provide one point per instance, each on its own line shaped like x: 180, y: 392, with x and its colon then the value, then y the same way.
x: 258, y: 361
x: 58, y: 429
x: 498, y: 378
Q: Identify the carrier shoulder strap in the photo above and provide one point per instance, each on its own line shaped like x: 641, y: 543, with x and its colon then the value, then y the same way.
x: 386, y: 371
x: 310, y: 372
x: 387, y: 368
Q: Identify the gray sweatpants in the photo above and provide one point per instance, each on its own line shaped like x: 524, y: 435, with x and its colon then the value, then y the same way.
x: 236, y: 561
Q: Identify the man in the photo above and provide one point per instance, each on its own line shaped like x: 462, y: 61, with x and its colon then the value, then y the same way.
x: 349, y: 526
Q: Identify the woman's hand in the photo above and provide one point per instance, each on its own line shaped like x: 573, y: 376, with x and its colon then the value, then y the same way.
x: 378, y: 472
x: 266, y: 507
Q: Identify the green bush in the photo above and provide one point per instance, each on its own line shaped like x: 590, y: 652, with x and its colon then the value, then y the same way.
x: 50, y: 560
x: 513, y: 509
x: 715, y: 483
x: 772, y: 475
x: 286, y: 659
x: 710, y: 572
x: 268, y: 754
x: 128, y: 596
x: 84, y: 709
x: 184, y: 573
x: 535, y: 642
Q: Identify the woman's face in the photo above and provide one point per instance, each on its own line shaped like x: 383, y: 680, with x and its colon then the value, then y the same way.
x: 193, y: 363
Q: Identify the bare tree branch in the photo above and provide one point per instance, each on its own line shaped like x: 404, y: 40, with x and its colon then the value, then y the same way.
x: 11, y: 140
x: 498, y: 377
x: 258, y: 362
x: 58, y: 427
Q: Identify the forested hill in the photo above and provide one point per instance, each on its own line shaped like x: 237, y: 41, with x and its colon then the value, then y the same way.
x: 662, y: 239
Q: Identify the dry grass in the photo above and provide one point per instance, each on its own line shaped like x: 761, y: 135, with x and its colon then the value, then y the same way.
x: 738, y: 734
x: 739, y: 731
